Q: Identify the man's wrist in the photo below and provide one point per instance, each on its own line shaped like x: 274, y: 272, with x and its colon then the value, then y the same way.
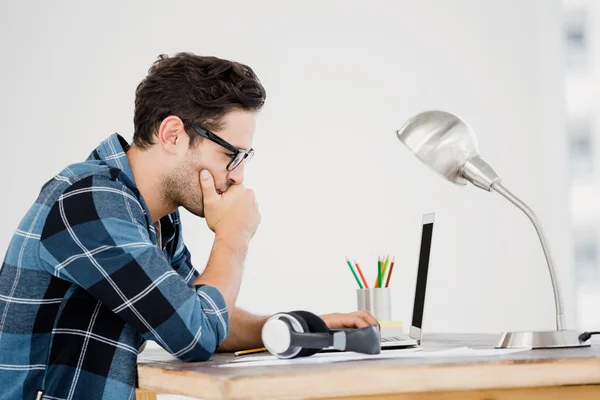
x: 261, y: 321
x: 234, y: 243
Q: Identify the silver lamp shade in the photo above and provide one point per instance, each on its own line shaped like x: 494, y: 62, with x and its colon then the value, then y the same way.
x: 447, y: 144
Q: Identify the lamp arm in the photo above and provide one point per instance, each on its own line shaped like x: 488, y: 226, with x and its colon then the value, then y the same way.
x: 560, y: 316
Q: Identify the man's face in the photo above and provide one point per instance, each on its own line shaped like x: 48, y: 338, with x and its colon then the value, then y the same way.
x: 182, y: 186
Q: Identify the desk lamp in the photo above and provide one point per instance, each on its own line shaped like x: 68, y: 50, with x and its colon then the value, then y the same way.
x: 446, y: 144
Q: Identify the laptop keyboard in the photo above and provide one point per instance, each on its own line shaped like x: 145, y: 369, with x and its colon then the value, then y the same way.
x: 392, y: 338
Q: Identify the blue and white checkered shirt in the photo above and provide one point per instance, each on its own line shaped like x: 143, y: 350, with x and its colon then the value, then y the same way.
x: 85, y: 283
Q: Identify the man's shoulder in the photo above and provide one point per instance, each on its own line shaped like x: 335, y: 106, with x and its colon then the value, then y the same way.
x: 90, y: 195
x: 86, y: 174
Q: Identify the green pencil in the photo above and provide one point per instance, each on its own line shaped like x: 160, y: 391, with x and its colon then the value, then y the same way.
x: 384, y: 269
x: 378, y: 272
x: 354, y: 273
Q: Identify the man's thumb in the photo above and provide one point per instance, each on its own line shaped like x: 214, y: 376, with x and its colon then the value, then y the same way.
x: 208, y: 185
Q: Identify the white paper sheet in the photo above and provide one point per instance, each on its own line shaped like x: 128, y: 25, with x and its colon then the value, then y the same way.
x: 322, y: 358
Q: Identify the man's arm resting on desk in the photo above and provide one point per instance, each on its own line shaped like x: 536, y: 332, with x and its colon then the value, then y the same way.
x: 244, y: 332
x: 245, y: 327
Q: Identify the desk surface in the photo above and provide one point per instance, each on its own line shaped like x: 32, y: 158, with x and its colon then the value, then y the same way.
x: 160, y: 372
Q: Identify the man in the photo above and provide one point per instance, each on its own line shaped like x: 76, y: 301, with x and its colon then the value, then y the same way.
x: 98, y: 265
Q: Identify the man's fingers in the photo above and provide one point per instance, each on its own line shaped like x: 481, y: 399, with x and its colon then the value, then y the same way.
x: 367, y: 316
x: 357, y: 319
x: 361, y: 322
x: 208, y: 186
x: 362, y: 319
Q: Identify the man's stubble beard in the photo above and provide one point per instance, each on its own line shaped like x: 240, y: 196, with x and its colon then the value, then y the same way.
x: 178, y: 192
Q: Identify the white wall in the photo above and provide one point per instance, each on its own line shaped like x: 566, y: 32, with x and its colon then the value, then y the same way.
x: 582, y: 87
x: 331, y: 178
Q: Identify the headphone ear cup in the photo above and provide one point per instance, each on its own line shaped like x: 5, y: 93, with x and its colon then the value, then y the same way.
x: 305, y: 328
x: 311, y: 323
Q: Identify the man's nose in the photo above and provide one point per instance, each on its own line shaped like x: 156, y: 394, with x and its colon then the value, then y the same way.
x: 236, y: 177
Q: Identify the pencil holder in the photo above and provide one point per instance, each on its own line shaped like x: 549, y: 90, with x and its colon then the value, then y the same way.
x: 376, y: 301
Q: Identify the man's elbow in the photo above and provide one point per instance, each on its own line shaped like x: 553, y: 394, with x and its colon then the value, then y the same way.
x: 203, y: 348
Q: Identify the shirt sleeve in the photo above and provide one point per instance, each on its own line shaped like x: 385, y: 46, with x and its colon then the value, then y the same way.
x: 96, y: 236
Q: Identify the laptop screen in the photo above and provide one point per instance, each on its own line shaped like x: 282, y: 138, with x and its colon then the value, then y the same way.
x: 419, y: 305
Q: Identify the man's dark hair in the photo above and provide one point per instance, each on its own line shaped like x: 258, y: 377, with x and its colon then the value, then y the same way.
x: 199, y: 90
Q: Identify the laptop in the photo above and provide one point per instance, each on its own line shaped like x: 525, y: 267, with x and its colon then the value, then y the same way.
x: 416, y: 332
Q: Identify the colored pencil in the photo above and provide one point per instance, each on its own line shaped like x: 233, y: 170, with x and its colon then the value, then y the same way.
x: 361, y: 275
x: 387, y: 283
x: 354, y: 273
x: 378, y: 272
x: 385, y: 264
x: 250, y: 351
x: 377, y: 278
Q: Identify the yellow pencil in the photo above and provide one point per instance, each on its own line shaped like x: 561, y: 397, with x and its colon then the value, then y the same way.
x: 249, y: 351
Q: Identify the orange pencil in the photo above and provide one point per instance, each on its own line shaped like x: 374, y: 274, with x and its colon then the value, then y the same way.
x: 361, y: 275
x: 387, y: 282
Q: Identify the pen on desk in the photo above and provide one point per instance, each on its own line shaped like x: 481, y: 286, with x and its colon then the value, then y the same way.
x: 249, y: 351
x: 387, y: 283
x: 354, y: 273
x: 361, y: 275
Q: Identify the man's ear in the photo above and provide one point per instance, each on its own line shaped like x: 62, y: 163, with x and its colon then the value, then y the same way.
x: 171, y: 134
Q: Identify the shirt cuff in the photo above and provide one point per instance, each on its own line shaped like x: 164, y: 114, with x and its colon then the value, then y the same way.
x: 215, y: 309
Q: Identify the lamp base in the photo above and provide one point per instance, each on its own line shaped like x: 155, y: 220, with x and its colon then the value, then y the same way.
x: 541, y: 340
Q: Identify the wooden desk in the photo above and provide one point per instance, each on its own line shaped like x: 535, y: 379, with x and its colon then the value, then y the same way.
x: 537, y: 374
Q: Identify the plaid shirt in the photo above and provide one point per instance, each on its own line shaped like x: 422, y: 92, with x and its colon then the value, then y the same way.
x: 84, y: 283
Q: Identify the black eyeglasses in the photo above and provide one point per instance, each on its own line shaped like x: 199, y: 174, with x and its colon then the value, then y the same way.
x: 238, y: 156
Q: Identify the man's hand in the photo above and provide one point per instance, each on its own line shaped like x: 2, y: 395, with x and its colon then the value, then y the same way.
x: 356, y: 319
x: 233, y: 213
x: 233, y: 217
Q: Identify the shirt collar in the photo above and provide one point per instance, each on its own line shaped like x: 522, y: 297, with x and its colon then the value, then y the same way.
x: 112, y: 151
